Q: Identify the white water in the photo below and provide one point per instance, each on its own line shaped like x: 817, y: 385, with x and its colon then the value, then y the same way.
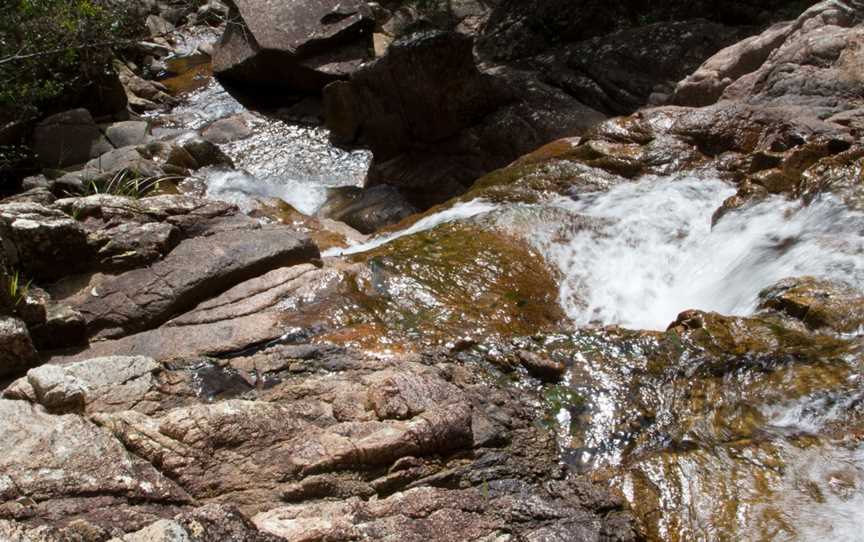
x: 460, y: 211
x: 650, y: 251
x: 244, y: 190
x: 654, y: 253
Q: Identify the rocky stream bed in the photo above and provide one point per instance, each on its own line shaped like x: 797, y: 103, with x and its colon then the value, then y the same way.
x: 530, y: 320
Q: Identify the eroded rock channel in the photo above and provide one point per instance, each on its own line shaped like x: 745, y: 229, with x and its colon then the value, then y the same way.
x: 438, y: 271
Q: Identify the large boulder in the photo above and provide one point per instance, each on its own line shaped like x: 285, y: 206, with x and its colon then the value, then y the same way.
x: 297, y: 46
x: 68, y: 138
x: 814, y: 61
x: 425, y: 90
x: 43, y: 243
x: 435, y: 122
x: 196, y: 270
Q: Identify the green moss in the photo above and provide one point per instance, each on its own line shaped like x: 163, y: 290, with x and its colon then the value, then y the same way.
x: 455, y: 280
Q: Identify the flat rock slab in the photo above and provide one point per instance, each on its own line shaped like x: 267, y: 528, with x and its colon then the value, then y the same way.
x: 45, y: 456
x: 166, y: 343
x: 96, y: 385
x: 198, y: 269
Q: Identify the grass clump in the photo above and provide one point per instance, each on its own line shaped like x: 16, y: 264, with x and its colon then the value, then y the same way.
x: 127, y: 183
x: 17, y: 289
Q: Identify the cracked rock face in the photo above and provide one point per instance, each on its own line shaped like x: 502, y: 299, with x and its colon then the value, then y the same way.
x: 64, y: 464
x: 146, y: 297
x: 308, y: 442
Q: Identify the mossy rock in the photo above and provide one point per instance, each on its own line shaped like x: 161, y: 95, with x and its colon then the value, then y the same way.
x: 819, y: 304
x: 457, y: 280
x: 841, y: 175
x: 689, y: 424
x: 763, y: 338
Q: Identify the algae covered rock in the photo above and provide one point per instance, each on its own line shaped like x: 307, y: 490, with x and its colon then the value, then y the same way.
x: 817, y: 303
x: 453, y: 281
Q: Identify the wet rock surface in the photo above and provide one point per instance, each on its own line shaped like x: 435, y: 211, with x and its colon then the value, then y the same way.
x: 139, y: 299
x: 301, y: 424
x: 182, y: 368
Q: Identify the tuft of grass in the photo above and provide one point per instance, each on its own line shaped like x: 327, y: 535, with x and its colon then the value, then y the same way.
x: 128, y: 184
x: 18, y: 290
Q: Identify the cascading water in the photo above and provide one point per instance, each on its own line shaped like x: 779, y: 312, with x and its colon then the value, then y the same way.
x: 460, y: 211
x: 655, y: 254
x: 651, y: 251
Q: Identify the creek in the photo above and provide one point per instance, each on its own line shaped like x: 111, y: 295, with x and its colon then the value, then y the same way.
x: 745, y: 453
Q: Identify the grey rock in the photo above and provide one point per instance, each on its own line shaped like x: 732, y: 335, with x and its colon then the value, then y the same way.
x: 227, y: 130
x: 197, y: 269
x: 68, y: 138
x: 204, y: 152
x: 118, y: 160
x: 95, y: 385
x: 16, y: 348
x: 781, y: 66
x: 63, y: 327
x: 126, y: 133
x: 43, y: 243
x: 158, y: 26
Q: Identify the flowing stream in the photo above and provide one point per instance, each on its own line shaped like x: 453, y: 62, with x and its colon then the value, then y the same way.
x: 636, y: 256
x: 652, y: 252
x: 295, y: 163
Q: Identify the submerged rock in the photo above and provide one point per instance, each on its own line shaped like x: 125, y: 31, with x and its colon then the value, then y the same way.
x: 367, y: 210
x: 817, y: 303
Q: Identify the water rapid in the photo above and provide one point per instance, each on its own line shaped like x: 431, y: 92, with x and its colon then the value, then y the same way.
x: 654, y: 252
x: 650, y: 250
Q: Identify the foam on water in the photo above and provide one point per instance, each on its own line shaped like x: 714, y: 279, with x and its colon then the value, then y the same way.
x: 243, y: 189
x: 654, y: 253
